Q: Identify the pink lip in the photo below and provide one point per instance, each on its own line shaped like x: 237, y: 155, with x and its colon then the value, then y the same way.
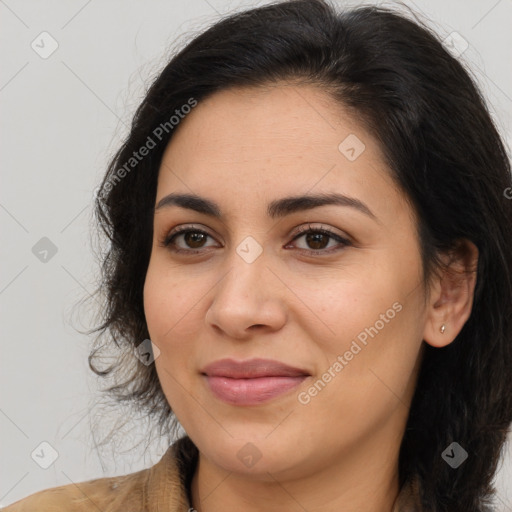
x: 251, y: 382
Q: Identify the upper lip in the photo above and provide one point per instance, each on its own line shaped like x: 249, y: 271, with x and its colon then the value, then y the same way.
x: 251, y: 368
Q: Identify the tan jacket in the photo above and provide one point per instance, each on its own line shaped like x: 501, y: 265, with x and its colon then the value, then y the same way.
x: 163, y: 487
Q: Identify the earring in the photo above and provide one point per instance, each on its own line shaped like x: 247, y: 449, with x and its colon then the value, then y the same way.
x: 442, y: 329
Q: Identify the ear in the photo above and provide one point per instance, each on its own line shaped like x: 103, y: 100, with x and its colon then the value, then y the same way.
x: 451, y: 294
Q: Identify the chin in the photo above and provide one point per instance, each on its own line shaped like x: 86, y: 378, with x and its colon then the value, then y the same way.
x: 255, y: 453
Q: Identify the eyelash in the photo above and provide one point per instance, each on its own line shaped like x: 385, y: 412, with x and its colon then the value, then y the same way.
x: 169, y: 239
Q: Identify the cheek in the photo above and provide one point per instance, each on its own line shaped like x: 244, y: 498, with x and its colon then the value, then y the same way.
x: 337, y: 310
x: 174, y: 314
x: 168, y: 301
x: 366, y: 335
x: 165, y: 303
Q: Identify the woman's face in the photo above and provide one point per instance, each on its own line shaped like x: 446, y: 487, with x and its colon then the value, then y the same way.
x: 244, y: 282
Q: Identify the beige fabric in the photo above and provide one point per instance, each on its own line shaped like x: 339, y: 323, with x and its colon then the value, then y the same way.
x: 160, y: 488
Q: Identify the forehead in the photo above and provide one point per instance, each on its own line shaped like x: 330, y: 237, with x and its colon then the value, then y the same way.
x: 284, y: 116
x: 277, y: 140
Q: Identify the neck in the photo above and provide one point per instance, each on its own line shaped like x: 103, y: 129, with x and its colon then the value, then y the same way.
x: 365, y: 480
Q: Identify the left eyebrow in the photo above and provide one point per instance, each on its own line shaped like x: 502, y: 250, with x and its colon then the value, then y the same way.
x: 277, y: 208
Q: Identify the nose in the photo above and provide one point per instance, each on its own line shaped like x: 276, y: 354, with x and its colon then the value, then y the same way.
x: 248, y: 299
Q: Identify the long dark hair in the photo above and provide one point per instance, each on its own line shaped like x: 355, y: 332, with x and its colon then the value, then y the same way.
x: 445, y: 153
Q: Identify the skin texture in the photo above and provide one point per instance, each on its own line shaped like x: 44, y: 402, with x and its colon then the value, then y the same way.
x: 244, y: 148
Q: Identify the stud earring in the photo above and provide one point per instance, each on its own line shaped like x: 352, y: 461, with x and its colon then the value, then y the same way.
x: 442, y: 329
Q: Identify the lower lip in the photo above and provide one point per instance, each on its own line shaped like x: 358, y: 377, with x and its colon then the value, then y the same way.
x: 251, y: 391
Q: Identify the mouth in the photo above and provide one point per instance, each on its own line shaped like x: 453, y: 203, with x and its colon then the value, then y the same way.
x: 251, y: 382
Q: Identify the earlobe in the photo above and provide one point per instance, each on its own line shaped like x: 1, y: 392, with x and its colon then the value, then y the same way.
x: 452, y: 296
x: 438, y: 337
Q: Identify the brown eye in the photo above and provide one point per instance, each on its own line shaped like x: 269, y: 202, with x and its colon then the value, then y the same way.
x: 317, y: 241
x: 186, y: 240
x: 194, y: 239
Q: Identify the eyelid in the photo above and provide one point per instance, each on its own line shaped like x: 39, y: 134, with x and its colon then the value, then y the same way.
x: 311, y: 227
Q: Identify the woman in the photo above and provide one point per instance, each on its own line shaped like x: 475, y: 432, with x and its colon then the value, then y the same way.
x: 311, y: 221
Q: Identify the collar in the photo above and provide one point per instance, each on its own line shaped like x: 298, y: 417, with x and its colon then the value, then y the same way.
x: 168, y: 481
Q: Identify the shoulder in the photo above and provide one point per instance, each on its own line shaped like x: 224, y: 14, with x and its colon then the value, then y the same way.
x: 163, y: 486
x: 105, y: 494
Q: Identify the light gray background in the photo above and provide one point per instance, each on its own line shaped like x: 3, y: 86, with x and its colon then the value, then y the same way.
x: 62, y: 117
